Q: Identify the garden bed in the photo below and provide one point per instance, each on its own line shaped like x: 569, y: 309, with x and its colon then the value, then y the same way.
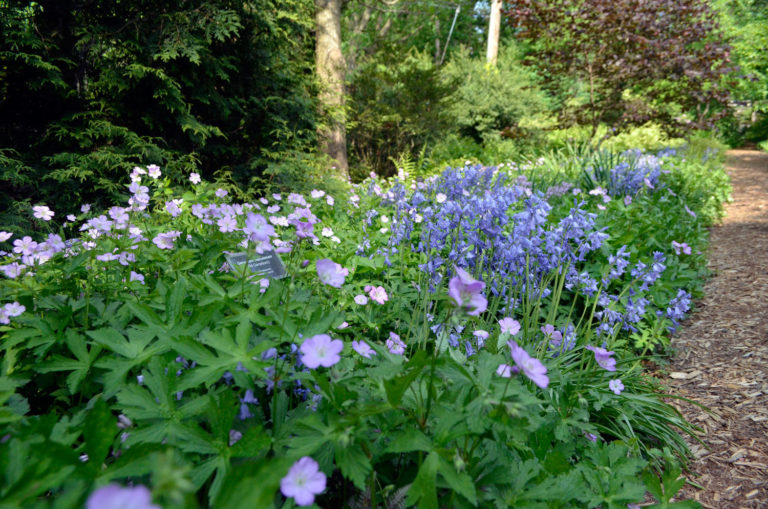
x: 470, y: 338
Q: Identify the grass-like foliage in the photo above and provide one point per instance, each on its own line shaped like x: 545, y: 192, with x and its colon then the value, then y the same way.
x: 474, y: 339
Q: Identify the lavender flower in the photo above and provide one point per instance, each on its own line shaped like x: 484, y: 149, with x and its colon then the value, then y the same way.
x: 114, y: 496
x: 603, y: 357
x: 257, y: 229
x: 24, y: 246
x: 166, y: 240
x: 509, y: 326
x: 361, y: 300
x: 234, y: 435
x: 395, y: 344
x: 616, y: 386
x: 154, y: 171
x: 194, y: 178
x: 363, y: 349
x: 681, y: 246
x: 42, y: 212
x: 321, y: 350
x: 227, y: 224
x: 504, y: 370
x: 331, y: 273
x: 466, y: 292
x: 13, y: 309
x: 530, y: 366
x: 303, y: 481
x: 554, y: 336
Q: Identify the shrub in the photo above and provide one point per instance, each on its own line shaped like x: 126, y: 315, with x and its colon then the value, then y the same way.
x: 396, y: 109
x: 489, y: 99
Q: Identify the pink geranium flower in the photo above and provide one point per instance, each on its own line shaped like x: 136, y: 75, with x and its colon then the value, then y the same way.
x: 378, y: 294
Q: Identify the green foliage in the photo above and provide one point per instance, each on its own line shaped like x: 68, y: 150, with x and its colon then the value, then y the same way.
x: 490, y: 99
x: 192, y: 380
x: 88, y: 92
x: 624, y: 63
x: 648, y: 137
x: 396, y: 109
x: 745, y: 24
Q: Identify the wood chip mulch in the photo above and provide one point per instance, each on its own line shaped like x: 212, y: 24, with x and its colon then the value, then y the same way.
x: 722, y: 350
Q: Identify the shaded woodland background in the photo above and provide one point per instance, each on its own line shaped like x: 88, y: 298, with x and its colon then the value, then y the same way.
x: 89, y: 89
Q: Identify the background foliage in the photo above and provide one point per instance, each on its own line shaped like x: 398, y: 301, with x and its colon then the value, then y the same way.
x: 91, y: 88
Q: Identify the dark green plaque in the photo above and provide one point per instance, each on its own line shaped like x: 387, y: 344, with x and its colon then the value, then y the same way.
x: 267, y: 264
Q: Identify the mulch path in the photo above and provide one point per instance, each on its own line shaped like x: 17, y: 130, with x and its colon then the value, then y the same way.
x: 722, y: 350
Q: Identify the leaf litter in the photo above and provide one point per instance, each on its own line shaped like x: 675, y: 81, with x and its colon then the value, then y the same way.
x: 722, y: 351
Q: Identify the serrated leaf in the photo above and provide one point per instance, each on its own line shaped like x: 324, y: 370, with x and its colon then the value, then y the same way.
x: 459, y: 482
x: 252, y: 485
x: 424, y: 487
x: 99, y: 431
x: 396, y: 387
x: 175, y: 300
x: 145, y: 314
x: 254, y: 443
x: 353, y: 462
x: 409, y: 441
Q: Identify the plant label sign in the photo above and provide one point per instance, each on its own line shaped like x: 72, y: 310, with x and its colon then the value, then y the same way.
x: 268, y: 264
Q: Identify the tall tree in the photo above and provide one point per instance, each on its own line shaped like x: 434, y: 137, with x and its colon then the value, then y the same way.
x: 330, y: 66
x: 494, y: 26
x: 90, y: 89
x: 637, y: 60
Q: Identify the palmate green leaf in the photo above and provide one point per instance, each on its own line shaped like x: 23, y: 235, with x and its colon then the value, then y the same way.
x: 663, y: 491
x: 146, y: 314
x: 135, y: 350
x: 252, y: 484
x: 321, y: 321
x: 279, y: 410
x: 14, y: 337
x: 134, y: 461
x: 353, y: 462
x: 12, y: 411
x: 200, y: 318
x: 396, y: 387
x: 460, y: 482
x: 408, y: 441
x: 206, y: 282
x: 221, y: 414
x: 255, y: 442
x: 80, y: 365
x: 157, y: 412
x: 424, y: 488
x: 32, y: 462
x: 99, y: 431
x: 175, y: 300
x: 228, y: 355
x: 616, y: 480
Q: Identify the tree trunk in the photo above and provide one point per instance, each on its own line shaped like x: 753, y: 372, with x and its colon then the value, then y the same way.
x: 493, y: 32
x: 330, y: 66
x: 437, y: 40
